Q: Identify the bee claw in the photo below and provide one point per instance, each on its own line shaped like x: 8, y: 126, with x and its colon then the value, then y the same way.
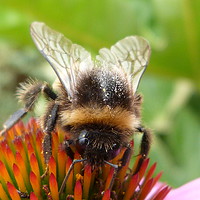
x: 45, y: 172
x: 24, y: 195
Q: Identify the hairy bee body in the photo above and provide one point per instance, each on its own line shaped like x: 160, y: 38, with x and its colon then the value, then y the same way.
x: 105, y: 107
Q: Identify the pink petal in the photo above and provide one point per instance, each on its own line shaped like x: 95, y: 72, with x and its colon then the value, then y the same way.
x: 190, y: 190
x: 157, y: 187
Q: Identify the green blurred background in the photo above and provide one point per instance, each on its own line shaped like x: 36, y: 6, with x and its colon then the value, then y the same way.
x: 171, y: 83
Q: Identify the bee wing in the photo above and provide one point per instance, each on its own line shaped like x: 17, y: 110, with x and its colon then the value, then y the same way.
x: 67, y: 59
x: 131, y: 55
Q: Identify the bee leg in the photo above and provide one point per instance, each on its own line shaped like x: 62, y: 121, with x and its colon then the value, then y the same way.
x: 68, y: 173
x: 13, y: 119
x: 28, y: 94
x: 144, y: 147
x: 23, y: 195
x: 68, y: 149
x: 49, y: 122
x: 116, y: 167
x: 126, y: 157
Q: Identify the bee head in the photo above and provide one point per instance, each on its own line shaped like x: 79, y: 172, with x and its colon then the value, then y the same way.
x: 97, y: 146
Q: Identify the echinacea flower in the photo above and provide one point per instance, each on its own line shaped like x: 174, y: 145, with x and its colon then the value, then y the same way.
x: 22, y: 165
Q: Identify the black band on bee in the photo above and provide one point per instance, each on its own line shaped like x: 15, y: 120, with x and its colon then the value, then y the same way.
x: 103, y: 87
x: 97, y: 142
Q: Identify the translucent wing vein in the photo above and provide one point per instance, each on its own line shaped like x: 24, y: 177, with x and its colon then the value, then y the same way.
x: 66, y: 58
x: 131, y: 55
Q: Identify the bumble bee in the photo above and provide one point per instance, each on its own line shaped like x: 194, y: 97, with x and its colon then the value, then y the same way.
x: 96, y: 100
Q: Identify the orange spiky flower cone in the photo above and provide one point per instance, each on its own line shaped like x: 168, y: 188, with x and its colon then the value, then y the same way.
x: 22, y: 164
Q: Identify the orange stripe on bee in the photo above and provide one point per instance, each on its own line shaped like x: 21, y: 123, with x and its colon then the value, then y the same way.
x: 117, y: 117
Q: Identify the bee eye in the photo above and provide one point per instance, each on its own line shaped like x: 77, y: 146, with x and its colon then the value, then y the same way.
x: 83, y: 142
x: 115, y: 146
